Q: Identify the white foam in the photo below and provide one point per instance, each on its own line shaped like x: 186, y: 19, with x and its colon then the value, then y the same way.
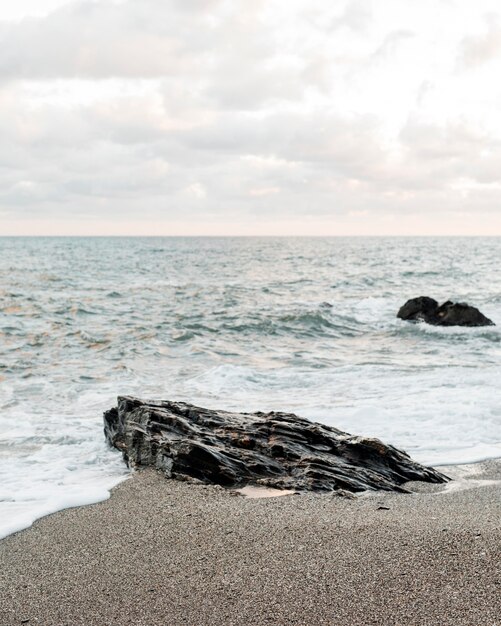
x: 450, y: 415
x: 43, y: 471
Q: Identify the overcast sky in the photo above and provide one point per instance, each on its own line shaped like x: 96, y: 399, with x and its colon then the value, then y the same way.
x: 250, y: 117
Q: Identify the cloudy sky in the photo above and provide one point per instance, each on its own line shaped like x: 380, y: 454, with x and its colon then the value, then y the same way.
x: 250, y: 117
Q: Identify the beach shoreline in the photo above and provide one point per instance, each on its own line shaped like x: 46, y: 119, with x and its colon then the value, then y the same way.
x: 162, y: 551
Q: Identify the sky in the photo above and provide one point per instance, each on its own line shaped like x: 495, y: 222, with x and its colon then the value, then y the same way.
x: 250, y: 117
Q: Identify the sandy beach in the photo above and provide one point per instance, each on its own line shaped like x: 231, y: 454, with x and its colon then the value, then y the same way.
x: 165, y: 552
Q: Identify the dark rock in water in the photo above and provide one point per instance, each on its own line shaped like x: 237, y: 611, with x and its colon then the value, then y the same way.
x: 447, y: 314
x: 277, y: 450
x: 460, y: 314
x: 418, y: 309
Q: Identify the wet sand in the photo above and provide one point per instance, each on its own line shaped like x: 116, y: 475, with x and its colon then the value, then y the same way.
x: 166, y: 553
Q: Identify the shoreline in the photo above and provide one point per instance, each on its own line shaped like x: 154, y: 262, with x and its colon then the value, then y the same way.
x: 162, y: 551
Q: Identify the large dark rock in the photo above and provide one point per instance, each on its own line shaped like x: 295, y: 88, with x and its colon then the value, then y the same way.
x: 418, y: 309
x: 460, y: 314
x: 424, y: 309
x: 277, y: 450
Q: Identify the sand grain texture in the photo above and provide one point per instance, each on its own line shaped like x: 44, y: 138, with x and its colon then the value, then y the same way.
x: 163, y: 552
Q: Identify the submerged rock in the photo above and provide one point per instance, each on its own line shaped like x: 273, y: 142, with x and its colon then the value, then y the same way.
x: 424, y: 309
x: 277, y: 450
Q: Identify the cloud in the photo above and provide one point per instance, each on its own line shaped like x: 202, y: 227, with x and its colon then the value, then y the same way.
x: 431, y: 142
x: 228, y: 111
x: 455, y: 157
x: 389, y: 46
x: 480, y: 49
x: 357, y: 16
x: 93, y: 40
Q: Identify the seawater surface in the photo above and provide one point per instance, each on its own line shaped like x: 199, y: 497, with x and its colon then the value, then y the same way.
x: 293, y: 324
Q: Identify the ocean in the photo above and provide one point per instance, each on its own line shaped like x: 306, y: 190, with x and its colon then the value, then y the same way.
x: 305, y: 325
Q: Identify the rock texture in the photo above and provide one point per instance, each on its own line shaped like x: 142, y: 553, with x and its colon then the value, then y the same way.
x: 424, y: 309
x: 277, y: 450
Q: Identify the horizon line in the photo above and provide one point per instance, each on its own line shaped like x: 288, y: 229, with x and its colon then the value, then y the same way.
x: 222, y: 236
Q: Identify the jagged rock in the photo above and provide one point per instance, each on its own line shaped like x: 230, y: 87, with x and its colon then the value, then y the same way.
x: 424, y: 309
x: 277, y: 450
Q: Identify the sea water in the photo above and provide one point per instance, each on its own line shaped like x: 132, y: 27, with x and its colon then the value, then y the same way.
x: 293, y: 324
